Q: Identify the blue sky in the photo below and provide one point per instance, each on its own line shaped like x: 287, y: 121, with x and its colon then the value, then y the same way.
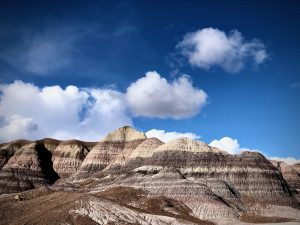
x: 246, y: 88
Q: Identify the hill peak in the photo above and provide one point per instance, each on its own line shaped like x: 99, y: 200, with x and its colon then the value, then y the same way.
x: 125, y: 133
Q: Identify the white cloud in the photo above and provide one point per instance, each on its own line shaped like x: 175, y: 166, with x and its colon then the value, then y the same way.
x: 169, y: 136
x: 287, y: 160
x: 17, y: 127
x: 32, y: 112
x: 230, y: 145
x: 27, y: 111
x: 154, y: 96
x: 227, y: 144
x: 209, y: 47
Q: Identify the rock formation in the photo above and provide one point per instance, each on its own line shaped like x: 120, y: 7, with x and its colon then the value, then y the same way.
x: 169, y: 182
x: 29, y: 164
x: 113, y: 206
x: 50, y: 144
x: 124, y: 134
x: 68, y: 156
x: 296, y: 166
x: 249, y: 173
x: 114, y: 149
x: 7, y: 150
x: 146, y: 148
x: 127, y: 178
x: 29, y: 167
x: 291, y: 174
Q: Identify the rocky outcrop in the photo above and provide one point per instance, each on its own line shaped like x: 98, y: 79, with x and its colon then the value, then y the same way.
x: 146, y: 148
x: 68, y: 156
x: 124, y: 134
x: 128, y: 150
x: 296, y: 166
x: 143, y: 180
x: 196, y: 194
x: 290, y: 173
x: 29, y: 167
x: 119, y: 205
x: 7, y: 150
x: 249, y: 172
x: 187, y: 145
x: 169, y: 182
x: 153, y: 152
x: 30, y: 164
x: 50, y: 144
x: 113, y: 150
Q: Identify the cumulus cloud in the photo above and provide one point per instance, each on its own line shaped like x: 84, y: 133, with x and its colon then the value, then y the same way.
x: 154, y: 96
x: 27, y: 111
x: 169, y: 136
x: 287, y: 160
x: 16, y: 127
x: 230, y: 145
x: 32, y: 112
x: 210, y: 47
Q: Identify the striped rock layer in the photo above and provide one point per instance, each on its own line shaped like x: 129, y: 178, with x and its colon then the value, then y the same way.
x: 114, y: 149
x: 30, y: 164
x: 7, y: 150
x: 29, y: 167
x: 207, y: 199
x: 249, y: 172
x: 291, y: 173
x: 68, y: 156
x: 211, y: 182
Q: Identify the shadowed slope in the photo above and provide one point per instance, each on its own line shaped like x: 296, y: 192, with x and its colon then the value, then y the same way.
x: 29, y: 167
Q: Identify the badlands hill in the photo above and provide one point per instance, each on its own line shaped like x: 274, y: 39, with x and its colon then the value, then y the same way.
x: 127, y: 178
